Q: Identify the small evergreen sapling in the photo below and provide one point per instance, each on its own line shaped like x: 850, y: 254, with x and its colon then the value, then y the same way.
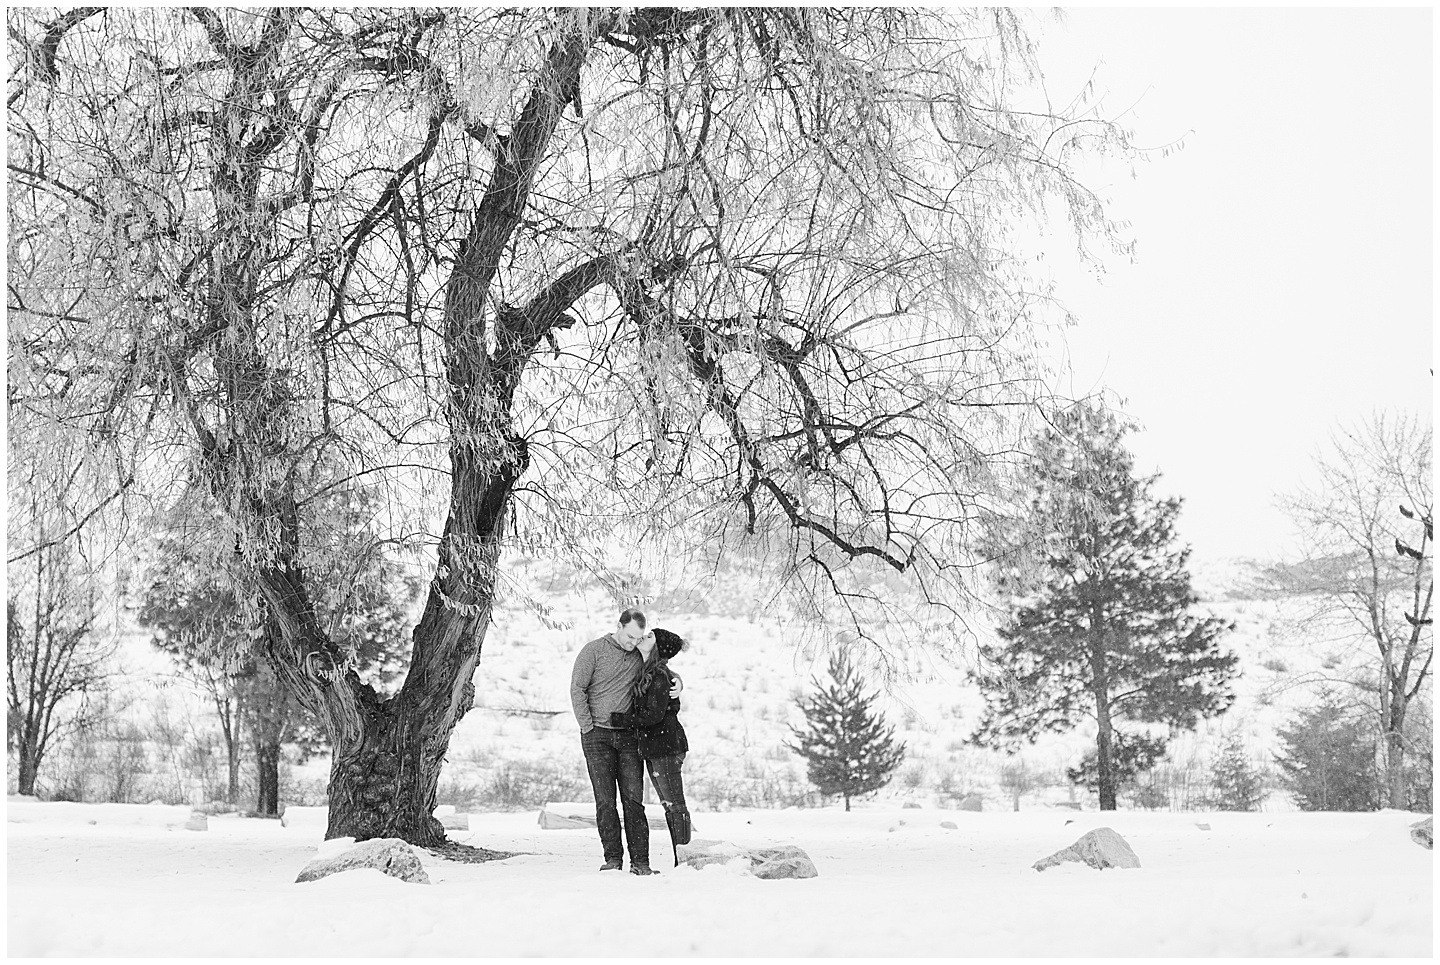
x: 848, y: 748
x: 1237, y: 783
x: 1327, y: 761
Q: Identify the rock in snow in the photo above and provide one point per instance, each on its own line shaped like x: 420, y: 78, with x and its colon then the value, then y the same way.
x: 389, y: 855
x: 581, y: 814
x: 295, y: 815
x: 1422, y: 833
x: 198, y: 821
x: 454, y: 822
x: 782, y: 861
x: 1101, y: 848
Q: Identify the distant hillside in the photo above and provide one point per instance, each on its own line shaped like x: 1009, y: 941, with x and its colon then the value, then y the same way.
x: 745, y: 667
x: 744, y: 671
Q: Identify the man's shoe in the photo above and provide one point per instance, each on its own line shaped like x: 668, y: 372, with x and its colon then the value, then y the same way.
x: 642, y: 869
x: 611, y: 866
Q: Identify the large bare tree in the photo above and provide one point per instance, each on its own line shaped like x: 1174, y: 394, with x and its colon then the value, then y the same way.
x: 568, y: 280
x: 1367, y: 574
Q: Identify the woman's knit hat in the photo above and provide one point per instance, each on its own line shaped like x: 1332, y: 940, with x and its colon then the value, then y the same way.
x: 668, y: 644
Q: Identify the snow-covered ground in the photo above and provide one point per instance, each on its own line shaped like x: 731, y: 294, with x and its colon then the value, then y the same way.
x: 130, y: 880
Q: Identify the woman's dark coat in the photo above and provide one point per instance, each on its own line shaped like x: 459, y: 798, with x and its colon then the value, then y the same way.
x: 656, y: 716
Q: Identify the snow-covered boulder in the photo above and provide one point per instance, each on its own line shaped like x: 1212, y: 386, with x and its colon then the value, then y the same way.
x: 388, y: 855
x: 296, y: 816
x: 781, y: 861
x: 1101, y: 848
x: 450, y: 819
x: 1422, y: 833
x: 198, y: 822
x: 581, y: 814
x: 319, y: 817
x: 784, y: 861
x: 27, y: 810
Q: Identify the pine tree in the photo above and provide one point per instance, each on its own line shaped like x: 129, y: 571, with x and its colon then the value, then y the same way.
x: 1102, y: 625
x: 1328, y: 760
x: 1237, y: 783
x: 1131, y: 755
x: 848, y: 748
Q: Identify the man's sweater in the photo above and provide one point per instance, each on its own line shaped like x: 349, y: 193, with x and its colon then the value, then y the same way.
x: 600, y: 684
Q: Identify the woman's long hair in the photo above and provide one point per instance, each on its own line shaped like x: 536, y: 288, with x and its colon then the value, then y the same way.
x: 655, y: 662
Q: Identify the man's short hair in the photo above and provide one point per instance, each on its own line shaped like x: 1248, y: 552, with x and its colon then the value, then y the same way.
x: 632, y: 613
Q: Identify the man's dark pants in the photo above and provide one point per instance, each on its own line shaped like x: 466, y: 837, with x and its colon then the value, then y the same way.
x: 613, y: 760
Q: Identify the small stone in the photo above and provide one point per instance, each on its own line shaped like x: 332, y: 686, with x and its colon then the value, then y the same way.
x: 454, y: 822
x: 1202, y: 825
x: 389, y: 855
x: 911, y: 805
x: 972, y: 802
x: 198, y: 822
x: 950, y: 825
x: 1101, y: 848
x: 1422, y: 833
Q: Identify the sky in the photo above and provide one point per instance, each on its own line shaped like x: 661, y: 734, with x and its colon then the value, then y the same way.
x: 1283, y: 278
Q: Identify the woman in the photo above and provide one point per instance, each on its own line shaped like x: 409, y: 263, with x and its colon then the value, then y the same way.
x: 655, y: 716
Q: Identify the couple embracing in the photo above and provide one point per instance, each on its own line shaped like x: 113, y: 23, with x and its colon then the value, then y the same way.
x: 627, y: 702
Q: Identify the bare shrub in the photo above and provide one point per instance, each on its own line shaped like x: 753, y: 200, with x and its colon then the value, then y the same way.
x: 520, y: 785
x: 720, y: 788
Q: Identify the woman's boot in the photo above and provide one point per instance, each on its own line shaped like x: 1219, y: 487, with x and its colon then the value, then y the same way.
x: 678, y: 821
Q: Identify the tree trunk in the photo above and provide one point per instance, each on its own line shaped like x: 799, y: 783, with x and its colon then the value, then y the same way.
x: 232, y: 769
x: 230, y: 733
x: 385, y: 784
x: 1104, y: 762
x: 267, y: 768
x: 1100, y: 686
x: 29, y: 765
x: 1395, y: 755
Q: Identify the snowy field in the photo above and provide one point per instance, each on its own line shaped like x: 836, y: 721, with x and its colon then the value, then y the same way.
x: 130, y: 880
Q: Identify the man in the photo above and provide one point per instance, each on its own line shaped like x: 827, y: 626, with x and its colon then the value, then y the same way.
x: 601, y: 684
